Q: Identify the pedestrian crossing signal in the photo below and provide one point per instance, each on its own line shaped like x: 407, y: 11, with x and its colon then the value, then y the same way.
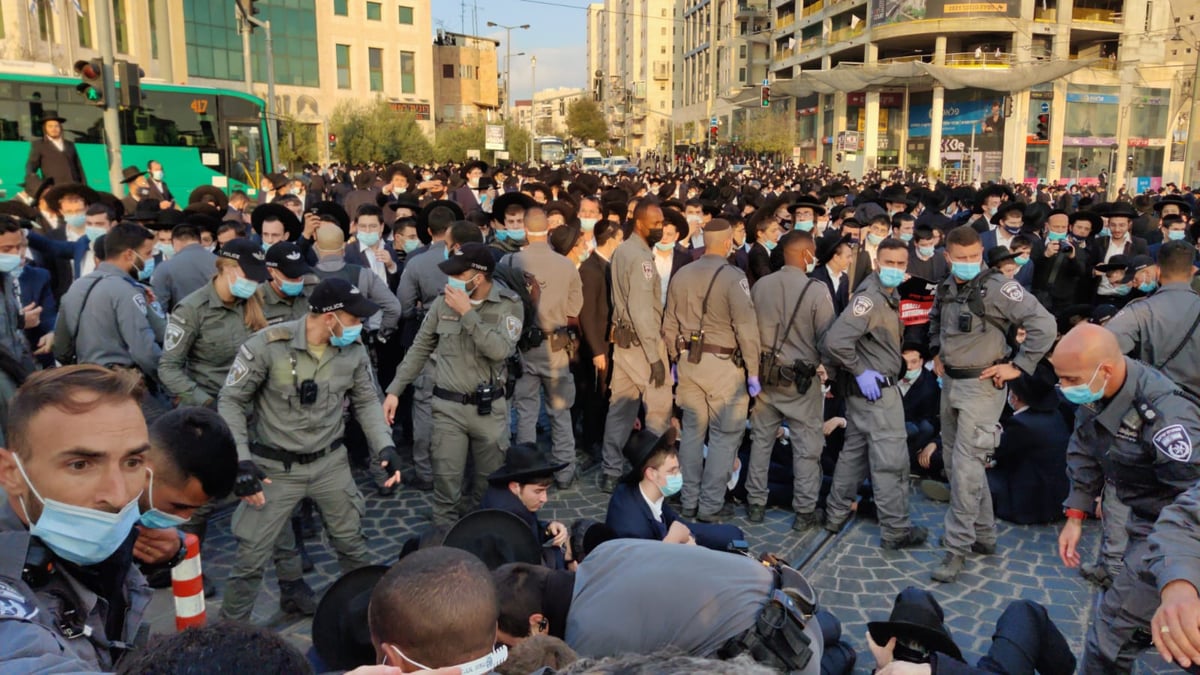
x: 1043, y: 127
x: 765, y: 98
x: 91, y: 81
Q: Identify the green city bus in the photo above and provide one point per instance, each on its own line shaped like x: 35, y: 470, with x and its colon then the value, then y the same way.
x: 202, y: 135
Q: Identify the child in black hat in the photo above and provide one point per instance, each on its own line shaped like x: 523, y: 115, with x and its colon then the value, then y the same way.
x: 520, y: 486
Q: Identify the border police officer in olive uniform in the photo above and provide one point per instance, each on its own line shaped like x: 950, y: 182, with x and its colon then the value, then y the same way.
x: 293, y: 379
x: 472, y: 328
x: 973, y: 318
x: 793, y: 313
x: 865, y: 343
x: 1135, y: 428
x: 285, y: 295
x: 709, y: 320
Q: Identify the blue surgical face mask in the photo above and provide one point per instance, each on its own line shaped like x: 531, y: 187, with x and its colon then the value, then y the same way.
x: 906, y: 237
x: 770, y: 245
x: 811, y: 266
x: 154, y: 518
x: 1148, y: 287
x: 291, y: 288
x: 456, y: 283
x: 93, y: 232
x: 516, y: 234
x: 965, y: 270
x: 588, y: 224
x: 1081, y: 394
x: 349, y: 334
x: 165, y: 250
x: 805, y: 225
x: 411, y: 245
x: 912, y: 375
x: 147, y: 270
x: 673, y: 486
x: 446, y: 253
x: 925, y: 251
x: 368, y: 239
x: 1056, y: 236
x: 9, y: 262
x: 266, y: 247
x: 1105, y: 232
x: 663, y: 246
x: 76, y: 533
x: 1021, y: 260
x: 1123, y: 289
x: 874, y: 239
x: 1176, y: 235
x: 75, y: 220
x: 890, y: 277
x: 501, y: 235
x: 243, y: 288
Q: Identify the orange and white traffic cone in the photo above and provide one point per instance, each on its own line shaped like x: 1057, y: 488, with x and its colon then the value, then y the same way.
x: 187, y: 584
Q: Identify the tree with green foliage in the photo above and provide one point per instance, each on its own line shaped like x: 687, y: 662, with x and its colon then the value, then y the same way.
x: 297, y: 143
x: 769, y: 131
x: 454, y: 140
x: 585, y: 121
x: 373, y: 132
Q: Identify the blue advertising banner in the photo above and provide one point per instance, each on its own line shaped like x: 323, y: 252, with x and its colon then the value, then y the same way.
x: 958, y: 118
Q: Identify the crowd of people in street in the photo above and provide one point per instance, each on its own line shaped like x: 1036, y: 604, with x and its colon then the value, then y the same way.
x: 704, y: 344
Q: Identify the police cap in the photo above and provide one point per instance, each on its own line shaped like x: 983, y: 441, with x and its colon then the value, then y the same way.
x: 469, y: 256
x: 249, y: 257
x: 335, y: 294
x: 286, y: 257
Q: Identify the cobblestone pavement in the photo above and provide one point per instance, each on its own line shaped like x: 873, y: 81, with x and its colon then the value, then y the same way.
x: 856, y: 579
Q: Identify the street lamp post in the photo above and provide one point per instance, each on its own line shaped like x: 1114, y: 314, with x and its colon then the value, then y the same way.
x: 507, y: 59
x: 532, y: 103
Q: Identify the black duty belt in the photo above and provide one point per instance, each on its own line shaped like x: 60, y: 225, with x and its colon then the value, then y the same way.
x: 719, y: 351
x: 455, y: 397
x: 289, y: 458
x: 777, y: 637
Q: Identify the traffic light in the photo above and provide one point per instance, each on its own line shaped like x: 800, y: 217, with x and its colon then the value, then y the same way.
x: 248, y: 9
x: 333, y: 140
x: 765, y: 98
x: 1084, y: 162
x: 838, y: 157
x: 91, y: 84
x: 130, y: 76
x: 1043, y: 127
x: 1072, y: 164
x: 712, y: 133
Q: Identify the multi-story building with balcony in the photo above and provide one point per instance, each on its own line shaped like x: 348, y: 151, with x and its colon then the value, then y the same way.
x: 1016, y: 89
x: 631, y: 52
x: 465, y: 70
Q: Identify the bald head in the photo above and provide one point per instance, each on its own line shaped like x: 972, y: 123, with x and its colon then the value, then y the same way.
x: 536, y: 222
x: 330, y: 238
x: 1088, y: 354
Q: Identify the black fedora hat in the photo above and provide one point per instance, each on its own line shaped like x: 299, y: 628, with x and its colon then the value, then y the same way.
x: 35, y: 185
x: 509, y: 199
x: 1122, y: 209
x: 1090, y: 216
x: 916, y: 616
x: 828, y: 245
x: 442, y: 208
x: 496, y: 537
x: 1182, y: 203
x: 586, y: 535
x: 18, y: 209
x: 524, y: 462
x: 264, y: 212
x: 52, y: 115
x: 131, y: 173
x: 474, y: 164
x: 1005, y: 208
x: 806, y: 201
x: 166, y: 221
x: 895, y: 194
x: 334, y: 211
x: 998, y: 254
x: 641, y: 446
x: 55, y: 194
x: 340, y: 631
x: 406, y: 200
x: 211, y: 194
x: 1036, y: 390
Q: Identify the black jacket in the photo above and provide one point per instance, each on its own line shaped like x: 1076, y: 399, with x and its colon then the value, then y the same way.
x: 1029, y: 482
x: 61, y: 165
x: 596, y: 314
x: 841, y: 297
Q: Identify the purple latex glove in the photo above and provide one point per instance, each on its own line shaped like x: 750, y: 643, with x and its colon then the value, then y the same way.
x: 752, y: 385
x: 868, y: 383
x: 675, y: 373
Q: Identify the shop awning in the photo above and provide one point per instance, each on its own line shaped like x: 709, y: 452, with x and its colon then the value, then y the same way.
x: 848, y: 77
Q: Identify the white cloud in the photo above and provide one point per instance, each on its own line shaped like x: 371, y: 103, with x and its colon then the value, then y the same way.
x: 556, y: 67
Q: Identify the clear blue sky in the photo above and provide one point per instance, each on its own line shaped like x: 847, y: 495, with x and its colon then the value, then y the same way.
x: 557, y: 35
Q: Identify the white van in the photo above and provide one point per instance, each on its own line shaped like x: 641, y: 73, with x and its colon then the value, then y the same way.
x: 589, y: 159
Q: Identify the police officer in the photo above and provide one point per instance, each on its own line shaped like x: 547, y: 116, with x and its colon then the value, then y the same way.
x: 472, y: 329
x: 293, y: 378
x: 864, y: 343
x: 1174, y: 561
x: 546, y: 366
x: 639, y: 369
x: 1134, y: 427
x: 974, y: 314
x: 70, y: 600
x: 420, y: 284
x: 285, y: 295
x: 190, y: 267
x: 793, y: 314
x: 709, y: 328
x: 110, y: 319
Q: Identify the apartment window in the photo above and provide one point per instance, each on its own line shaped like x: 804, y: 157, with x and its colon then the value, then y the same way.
x: 375, y: 67
x: 343, y: 66
x: 121, y: 24
x: 374, y: 11
x: 406, y: 15
x: 742, y: 75
x: 45, y: 20
x: 153, y: 16
x: 341, y: 7
x: 448, y: 71
x: 742, y: 51
x: 84, y: 22
x: 408, y: 72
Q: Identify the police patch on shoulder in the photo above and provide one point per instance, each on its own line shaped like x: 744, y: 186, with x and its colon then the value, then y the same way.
x: 173, y: 335
x: 862, y: 305
x: 1173, y: 441
x: 648, y: 270
x: 14, y: 605
x: 745, y: 284
x: 1013, y: 291
x: 237, y: 372
x: 245, y: 353
x: 139, y: 299
x: 512, y: 325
